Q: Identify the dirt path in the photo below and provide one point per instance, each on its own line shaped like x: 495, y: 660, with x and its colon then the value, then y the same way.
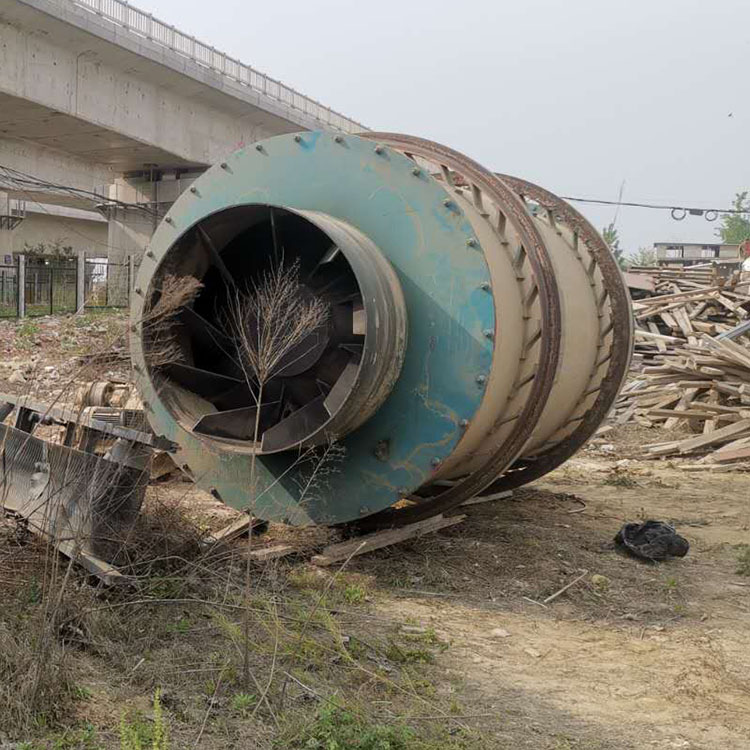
x: 658, y: 657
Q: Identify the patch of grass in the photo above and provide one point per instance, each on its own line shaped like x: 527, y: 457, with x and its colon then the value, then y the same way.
x: 80, y: 738
x: 618, y: 478
x: 407, y: 655
x: 241, y: 703
x: 337, y: 729
x: 181, y: 627
x: 354, y: 594
x: 743, y: 560
x: 347, y: 588
x: 82, y: 693
x: 36, y: 687
x: 428, y: 636
x: 28, y: 329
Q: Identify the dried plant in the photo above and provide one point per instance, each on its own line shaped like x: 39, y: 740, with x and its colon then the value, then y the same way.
x: 159, y: 323
x: 271, y: 318
x: 267, y: 322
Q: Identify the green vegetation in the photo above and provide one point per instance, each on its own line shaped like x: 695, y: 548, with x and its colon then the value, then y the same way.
x: 241, y: 703
x: 27, y: 330
x: 743, y: 560
x: 338, y: 729
x: 139, y: 734
x: 612, y: 238
x: 644, y: 256
x: 735, y: 228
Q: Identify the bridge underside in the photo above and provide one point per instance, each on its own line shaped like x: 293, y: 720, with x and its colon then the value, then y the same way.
x: 43, y: 126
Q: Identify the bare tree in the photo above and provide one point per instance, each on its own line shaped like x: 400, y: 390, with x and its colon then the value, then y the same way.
x: 268, y: 321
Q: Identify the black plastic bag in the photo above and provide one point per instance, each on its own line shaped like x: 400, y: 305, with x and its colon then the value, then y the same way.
x: 652, y: 540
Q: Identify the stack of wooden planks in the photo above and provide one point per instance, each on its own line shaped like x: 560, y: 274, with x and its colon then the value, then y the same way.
x: 668, y: 321
x: 692, y: 370
x: 666, y: 277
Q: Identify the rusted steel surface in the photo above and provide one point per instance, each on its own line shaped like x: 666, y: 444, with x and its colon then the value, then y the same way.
x: 83, y: 502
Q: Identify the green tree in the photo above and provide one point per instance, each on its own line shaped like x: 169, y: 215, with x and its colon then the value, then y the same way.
x: 644, y: 256
x: 57, y: 251
x: 735, y: 228
x: 612, y: 238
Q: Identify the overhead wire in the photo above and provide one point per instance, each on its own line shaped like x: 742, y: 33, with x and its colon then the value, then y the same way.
x: 23, y: 183
x: 678, y: 212
x: 24, y: 180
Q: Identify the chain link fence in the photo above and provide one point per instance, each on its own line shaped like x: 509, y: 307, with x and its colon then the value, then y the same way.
x: 51, y: 286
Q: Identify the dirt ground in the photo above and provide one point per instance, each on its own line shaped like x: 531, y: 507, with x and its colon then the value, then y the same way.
x: 452, y: 640
x: 654, y: 656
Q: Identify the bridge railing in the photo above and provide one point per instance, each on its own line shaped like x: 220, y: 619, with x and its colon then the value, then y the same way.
x: 145, y: 25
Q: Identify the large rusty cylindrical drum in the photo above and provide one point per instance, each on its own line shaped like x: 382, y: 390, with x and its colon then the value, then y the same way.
x: 477, y: 329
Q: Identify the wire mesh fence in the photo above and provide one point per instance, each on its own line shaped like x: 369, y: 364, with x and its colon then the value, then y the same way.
x: 50, y: 289
x: 8, y: 291
x: 107, y: 284
x: 51, y: 286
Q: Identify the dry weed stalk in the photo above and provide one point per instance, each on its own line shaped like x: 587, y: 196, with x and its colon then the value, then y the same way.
x: 70, y: 499
x: 159, y: 321
x: 267, y: 322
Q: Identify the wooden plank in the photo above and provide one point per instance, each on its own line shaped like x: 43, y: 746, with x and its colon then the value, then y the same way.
x: 669, y: 320
x: 343, y: 551
x: 656, y: 336
x: 487, y: 498
x: 654, y: 329
x: 738, y: 454
x: 233, y: 531
x: 691, y: 295
x: 712, y: 424
x: 271, y: 553
x: 682, y: 405
x: 736, y: 309
x: 723, y: 433
x: 683, y: 322
x: 691, y: 414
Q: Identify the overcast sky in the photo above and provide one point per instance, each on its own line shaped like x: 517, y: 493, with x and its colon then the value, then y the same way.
x: 576, y: 95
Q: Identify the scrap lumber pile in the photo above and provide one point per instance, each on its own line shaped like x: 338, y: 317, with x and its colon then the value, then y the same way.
x: 684, y: 310
x: 692, y: 370
x: 668, y: 280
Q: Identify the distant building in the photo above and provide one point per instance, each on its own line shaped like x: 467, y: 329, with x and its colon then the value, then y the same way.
x: 693, y: 253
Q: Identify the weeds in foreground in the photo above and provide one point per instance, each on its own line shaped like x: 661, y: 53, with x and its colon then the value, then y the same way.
x: 268, y: 322
x: 310, y: 641
x: 337, y: 729
x: 137, y: 734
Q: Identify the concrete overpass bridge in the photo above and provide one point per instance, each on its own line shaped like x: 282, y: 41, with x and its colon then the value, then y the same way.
x: 99, y: 97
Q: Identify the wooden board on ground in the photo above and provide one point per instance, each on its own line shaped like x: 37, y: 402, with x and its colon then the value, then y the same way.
x: 233, y: 531
x: 354, y: 547
x: 272, y: 553
x: 487, y: 498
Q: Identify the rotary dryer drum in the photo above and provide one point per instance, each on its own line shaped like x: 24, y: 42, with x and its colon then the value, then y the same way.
x: 478, y: 329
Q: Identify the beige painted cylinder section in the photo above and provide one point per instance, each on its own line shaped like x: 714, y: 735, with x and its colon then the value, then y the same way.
x: 518, y: 340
